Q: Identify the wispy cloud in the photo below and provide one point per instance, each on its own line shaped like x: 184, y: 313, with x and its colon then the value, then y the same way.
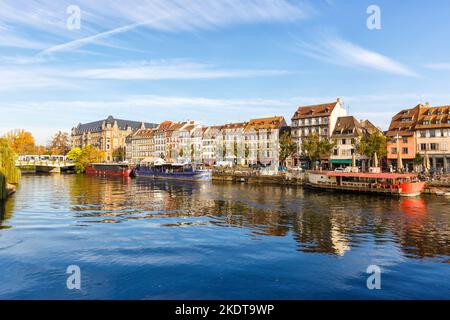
x: 438, y: 66
x: 171, y: 69
x: 28, y: 21
x: 335, y: 50
x: 18, y: 77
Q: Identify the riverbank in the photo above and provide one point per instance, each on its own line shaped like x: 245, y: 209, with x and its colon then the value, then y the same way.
x: 289, y: 179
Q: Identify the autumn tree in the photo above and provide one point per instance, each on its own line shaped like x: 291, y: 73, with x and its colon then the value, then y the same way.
x: 21, y: 141
x: 60, y: 143
x: 287, y: 146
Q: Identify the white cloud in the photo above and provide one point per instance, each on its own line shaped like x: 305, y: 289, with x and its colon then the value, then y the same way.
x: 18, y: 77
x: 338, y: 51
x: 170, y: 69
x: 27, y: 21
x: 438, y: 66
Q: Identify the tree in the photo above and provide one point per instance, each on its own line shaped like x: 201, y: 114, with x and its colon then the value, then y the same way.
x: 9, y: 173
x: 192, y: 152
x: 224, y: 151
x: 21, y: 141
x: 181, y: 153
x: 83, y: 157
x: 60, y: 143
x: 119, y: 154
x: 246, y: 151
x: 235, y: 150
x: 417, y: 161
x: 371, y: 144
x: 287, y: 146
x: 315, y: 148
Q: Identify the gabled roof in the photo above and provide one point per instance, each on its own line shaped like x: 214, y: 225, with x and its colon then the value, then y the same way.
x: 318, y: 110
x: 275, y: 122
x: 349, y: 125
x: 404, y: 122
x: 144, y: 133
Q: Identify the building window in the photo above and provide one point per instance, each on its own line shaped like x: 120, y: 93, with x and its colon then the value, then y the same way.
x: 434, y: 146
x: 344, y: 141
x: 394, y: 150
x: 432, y: 133
x: 405, y: 139
x: 405, y: 150
x: 335, y: 152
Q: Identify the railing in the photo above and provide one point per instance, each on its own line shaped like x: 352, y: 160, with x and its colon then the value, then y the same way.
x: 48, y: 163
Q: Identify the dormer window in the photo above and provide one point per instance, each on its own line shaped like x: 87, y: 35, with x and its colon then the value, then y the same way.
x: 426, y: 122
x: 430, y: 112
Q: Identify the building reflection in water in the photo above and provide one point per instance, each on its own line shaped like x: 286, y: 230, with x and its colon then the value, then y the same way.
x: 319, y: 222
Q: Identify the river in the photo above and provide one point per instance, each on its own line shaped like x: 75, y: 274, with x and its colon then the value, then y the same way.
x: 145, y: 239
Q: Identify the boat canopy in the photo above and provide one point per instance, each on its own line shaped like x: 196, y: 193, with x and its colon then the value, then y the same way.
x: 371, y: 175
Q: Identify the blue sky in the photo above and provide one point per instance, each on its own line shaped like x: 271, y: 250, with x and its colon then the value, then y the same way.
x: 216, y: 61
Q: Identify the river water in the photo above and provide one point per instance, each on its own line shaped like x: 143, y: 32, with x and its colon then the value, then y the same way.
x: 144, y: 239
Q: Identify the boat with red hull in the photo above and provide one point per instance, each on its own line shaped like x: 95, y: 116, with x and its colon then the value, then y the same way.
x: 109, y: 169
x: 407, y: 185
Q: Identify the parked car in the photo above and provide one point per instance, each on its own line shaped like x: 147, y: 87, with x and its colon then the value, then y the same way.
x: 339, y: 170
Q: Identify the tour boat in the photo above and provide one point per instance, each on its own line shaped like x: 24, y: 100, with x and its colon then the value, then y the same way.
x: 109, y: 169
x: 407, y: 185
x: 173, y: 171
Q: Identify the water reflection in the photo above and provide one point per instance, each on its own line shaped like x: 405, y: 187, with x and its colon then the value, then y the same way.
x: 318, y: 222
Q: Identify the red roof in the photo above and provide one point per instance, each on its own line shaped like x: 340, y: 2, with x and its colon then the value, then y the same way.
x: 370, y: 175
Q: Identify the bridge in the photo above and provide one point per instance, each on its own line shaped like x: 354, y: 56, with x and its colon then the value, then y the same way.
x: 44, y: 164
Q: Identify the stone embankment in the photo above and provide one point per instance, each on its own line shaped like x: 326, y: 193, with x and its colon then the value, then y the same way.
x: 285, y: 178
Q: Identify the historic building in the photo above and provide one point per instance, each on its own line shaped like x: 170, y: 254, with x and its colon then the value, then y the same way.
x: 210, y: 144
x: 107, y: 135
x: 142, y: 145
x: 261, y: 141
x: 315, y: 119
x: 159, y: 139
x: 231, y: 144
x: 402, y: 138
x: 347, y: 133
x: 433, y: 135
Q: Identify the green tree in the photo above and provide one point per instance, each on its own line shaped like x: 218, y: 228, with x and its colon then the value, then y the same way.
x: 60, y: 143
x: 287, y: 146
x: 246, y: 152
x: 315, y: 148
x: 224, y: 151
x: 418, y: 161
x: 9, y: 173
x: 181, y: 153
x: 235, y: 150
x: 83, y: 157
x: 192, y: 152
x: 371, y: 144
x: 119, y: 154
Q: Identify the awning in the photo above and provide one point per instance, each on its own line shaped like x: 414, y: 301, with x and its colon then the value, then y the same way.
x: 341, y: 161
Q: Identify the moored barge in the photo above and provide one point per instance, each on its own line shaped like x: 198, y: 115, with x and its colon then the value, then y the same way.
x: 185, y: 172
x: 406, y: 185
x: 109, y: 169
